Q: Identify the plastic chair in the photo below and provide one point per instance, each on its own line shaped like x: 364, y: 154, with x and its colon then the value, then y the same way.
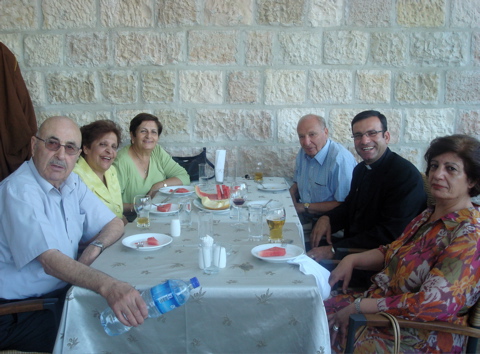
x: 191, y: 163
x: 375, y: 320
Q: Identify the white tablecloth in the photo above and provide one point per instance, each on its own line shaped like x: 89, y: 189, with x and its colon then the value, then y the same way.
x: 251, y: 306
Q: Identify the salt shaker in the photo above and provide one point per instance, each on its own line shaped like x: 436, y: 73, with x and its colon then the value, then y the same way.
x: 175, y: 227
x: 220, y: 256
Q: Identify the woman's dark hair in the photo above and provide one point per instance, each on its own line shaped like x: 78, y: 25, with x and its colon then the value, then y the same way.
x: 367, y: 114
x: 467, y: 148
x: 142, y: 117
x: 96, y: 130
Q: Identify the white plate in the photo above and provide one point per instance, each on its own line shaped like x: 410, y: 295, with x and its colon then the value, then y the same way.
x: 292, y: 252
x: 272, y: 187
x: 173, y: 210
x: 131, y: 241
x: 166, y: 190
x: 199, y: 205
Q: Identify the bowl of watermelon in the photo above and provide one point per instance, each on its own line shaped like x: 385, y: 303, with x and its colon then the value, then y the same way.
x: 219, y: 200
x: 147, y: 242
x: 276, y: 254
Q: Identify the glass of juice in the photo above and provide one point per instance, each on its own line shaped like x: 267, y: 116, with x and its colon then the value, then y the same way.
x: 142, y: 205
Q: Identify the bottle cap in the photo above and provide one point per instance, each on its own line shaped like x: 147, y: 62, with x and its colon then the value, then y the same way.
x: 195, y: 283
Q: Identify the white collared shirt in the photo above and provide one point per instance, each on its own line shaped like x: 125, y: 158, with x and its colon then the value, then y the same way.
x: 36, y: 217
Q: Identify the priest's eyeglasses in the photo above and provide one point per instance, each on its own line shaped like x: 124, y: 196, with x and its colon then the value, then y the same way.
x: 368, y: 134
x: 53, y: 144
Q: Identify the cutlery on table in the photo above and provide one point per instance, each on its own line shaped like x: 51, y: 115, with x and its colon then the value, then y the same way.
x: 285, y: 243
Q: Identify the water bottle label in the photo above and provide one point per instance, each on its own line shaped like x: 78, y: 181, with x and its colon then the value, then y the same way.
x: 163, y: 297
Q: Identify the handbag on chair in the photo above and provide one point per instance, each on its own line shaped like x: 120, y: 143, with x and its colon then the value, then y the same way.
x: 191, y: 163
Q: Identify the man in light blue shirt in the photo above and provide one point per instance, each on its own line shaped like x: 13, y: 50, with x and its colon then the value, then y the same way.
x: 323, y: 170
x: 46, y: 212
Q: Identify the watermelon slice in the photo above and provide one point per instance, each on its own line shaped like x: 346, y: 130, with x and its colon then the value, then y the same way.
x: 152, y: 241
x: 164, y: 207
x: 181, y: 190
x: 225, y: 191
x: 273, y: 252
x: 219, y: 192
x: 211, y: 196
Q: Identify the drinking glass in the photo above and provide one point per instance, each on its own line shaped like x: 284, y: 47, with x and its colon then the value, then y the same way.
x: 276, y: 220
x: 142, y: 205
x: 258, y: 173
x: 205, y: 173
x: 205, y: 224
x: 184, y: 212
x: 238, y: 197
x: 255, y: 222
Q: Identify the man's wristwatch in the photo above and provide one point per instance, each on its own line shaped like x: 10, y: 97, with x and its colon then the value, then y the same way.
x: 165, y: 185
x: 98, y: 244
x: 305, y: 206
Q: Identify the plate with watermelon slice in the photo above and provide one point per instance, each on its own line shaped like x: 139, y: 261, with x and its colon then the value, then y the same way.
x: 147, y: 242
x: 177, y: 190
x: 276, y: 254
x: 164, y: 209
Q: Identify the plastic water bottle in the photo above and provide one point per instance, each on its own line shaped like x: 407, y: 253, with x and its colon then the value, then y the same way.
x: 159, y: 299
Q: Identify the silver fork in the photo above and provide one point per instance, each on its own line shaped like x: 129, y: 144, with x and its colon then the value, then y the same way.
x: 285, y: 243
x: 139, y: 244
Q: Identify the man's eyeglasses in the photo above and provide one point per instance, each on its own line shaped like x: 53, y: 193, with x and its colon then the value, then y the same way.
x: 368, y: 134
x: 53, y: 145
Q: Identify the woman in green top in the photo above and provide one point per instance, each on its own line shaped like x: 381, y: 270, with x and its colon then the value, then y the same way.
x: 144, y: 167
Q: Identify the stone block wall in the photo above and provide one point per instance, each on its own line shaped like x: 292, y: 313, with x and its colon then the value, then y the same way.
x: 238, y: 74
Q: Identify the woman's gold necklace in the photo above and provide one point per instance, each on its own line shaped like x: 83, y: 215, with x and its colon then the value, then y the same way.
x: 145, y: 170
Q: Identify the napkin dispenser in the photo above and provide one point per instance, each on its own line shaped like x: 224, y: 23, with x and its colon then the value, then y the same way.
x: 220, y: 156
x: 211, y: 254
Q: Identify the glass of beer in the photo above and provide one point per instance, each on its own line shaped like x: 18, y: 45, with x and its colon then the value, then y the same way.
x: 258, y: 174
x: 142, y: 205
x: 276, y: 220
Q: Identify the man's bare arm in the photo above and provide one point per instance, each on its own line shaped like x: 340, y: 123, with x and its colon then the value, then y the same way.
x: 110, y: 234
x: 121, y: 297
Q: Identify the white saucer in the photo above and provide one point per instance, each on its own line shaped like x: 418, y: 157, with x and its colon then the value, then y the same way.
x: 272, y: 187
x: 173, y: 210
x: 292, y: 252
x: 131, y: 241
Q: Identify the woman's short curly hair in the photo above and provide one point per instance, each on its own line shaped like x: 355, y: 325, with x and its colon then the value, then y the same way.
x: 97, y: 129
x: 141, y: 117
x: 467, y: 148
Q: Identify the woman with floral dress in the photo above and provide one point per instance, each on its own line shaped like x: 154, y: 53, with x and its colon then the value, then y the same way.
x: 432, y: 271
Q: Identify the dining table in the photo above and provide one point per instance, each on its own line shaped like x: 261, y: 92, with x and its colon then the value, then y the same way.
x: 252, y: 305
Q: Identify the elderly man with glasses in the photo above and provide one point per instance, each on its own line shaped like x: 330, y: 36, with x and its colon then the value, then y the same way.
x: 46, y: 212
x: 385, y: 195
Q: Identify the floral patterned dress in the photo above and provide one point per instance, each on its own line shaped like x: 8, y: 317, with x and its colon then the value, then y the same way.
x: 431, y: 272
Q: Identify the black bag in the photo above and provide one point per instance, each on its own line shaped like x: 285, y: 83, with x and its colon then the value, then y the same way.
x: 191, y: 163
